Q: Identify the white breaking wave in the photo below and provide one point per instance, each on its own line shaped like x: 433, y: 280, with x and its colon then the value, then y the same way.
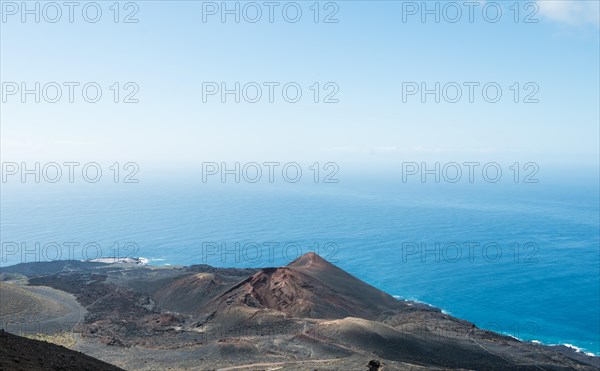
x: 578, y: 349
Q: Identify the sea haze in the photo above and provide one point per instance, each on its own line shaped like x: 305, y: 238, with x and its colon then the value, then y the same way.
x: 518, y: 259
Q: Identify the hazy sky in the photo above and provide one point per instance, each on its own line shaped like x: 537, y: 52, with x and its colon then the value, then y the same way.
x: 367, y: 55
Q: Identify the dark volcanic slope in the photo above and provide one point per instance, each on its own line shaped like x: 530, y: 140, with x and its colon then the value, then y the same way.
x: 19, y: 353
x: 198, y: 286
x: 310, y: 287
x: 356, y: 295
x: 52, y: 267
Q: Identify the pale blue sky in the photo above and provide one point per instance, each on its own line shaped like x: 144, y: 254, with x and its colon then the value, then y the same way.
x: 368, y: 54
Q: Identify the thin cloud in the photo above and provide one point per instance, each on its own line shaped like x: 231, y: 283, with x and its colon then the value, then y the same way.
x: 572, y: 12
x: 362, y: 150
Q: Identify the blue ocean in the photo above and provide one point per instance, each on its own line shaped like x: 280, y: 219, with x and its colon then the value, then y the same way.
x: 518, y: 259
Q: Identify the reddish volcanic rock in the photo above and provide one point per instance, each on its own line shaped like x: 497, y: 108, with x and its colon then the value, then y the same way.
x: 310, y: 287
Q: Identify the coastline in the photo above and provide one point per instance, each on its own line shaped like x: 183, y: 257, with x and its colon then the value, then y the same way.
x: 153, y: 262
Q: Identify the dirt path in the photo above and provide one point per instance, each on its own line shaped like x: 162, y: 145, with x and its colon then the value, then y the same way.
x: 54, y: 311
x: 277, y: 364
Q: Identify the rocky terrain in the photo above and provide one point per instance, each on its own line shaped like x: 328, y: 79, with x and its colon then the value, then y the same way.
x: 307, y: 315
x: 19, y: 353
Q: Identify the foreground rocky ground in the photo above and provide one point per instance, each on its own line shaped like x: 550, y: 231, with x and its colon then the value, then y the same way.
x: 18, y: 353
x: 307, y: 315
